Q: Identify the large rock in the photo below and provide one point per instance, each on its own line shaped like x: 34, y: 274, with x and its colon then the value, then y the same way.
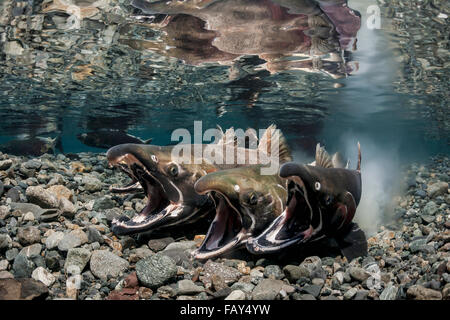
x: 155, y: 271
x: 350, y: 293
x: 105, y: 263
x: 103, y: 203
x: 13, y: 194
x: 358, y: 273
x: 92, y: 184
x: 5, y: 242
x: 24, y: 208
x: 61, y: 192
x: 418, y: 292
x: 293, y: 273
x: 5, y: 164
x: 94, y: 235
x: 4, y: 265
x: 229, y: 274
x: 188, y: 287
x: 22, y: 266
x: 312, y: 263
x: 182, y: 246
x: 430, y: 208
x: 76, y: 261
x: 437, y: 189
x: 417, y: 245
x: 267, y: 289
x: 4, y: 212
x: 273, y: 272
x: 67, y: 208
x: 236, y: 295
x: 160, y: 244
x: 53, y: 240
x: 42, y: 275
x: 22, y: 289
x: 42, y: 197
x: 72, y: 239
x: 32, y: 251
x: 28, y: 235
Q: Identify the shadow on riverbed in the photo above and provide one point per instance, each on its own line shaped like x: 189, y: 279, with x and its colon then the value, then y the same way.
x: 293, y: 255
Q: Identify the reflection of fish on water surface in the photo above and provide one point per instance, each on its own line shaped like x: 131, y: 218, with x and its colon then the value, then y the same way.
x: 276, y: 31
x: 107, y: 138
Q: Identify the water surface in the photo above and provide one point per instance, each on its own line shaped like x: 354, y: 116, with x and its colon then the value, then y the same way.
x: 241, y: 63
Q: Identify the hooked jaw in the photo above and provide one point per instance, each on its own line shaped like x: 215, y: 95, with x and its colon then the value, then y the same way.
x: 293, y: 226
x: 228, y: 230
x: 159, y: 210
x: 225, y: 233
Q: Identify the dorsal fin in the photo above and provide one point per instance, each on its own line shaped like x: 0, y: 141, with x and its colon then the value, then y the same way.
x: 252, y: 142
x: 274, y: 135
x: 323, y: 159
x: 338, y: 161
x: 228, y: 137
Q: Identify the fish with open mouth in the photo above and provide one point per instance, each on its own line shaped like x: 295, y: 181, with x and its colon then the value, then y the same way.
x: 168, y: 181
x: 246, y: 203
x: 322, y: 201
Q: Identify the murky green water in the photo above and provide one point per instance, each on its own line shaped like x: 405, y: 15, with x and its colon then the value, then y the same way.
x: 316, y: 69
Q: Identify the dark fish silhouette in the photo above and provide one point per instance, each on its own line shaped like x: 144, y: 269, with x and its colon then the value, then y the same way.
x: 108, y: 138
x: 35, y: 146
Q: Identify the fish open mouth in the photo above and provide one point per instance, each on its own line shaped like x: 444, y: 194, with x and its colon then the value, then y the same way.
x: 158, y: 205
x: 294, y: 225
x: 226, y: 232
x: 133, y: 186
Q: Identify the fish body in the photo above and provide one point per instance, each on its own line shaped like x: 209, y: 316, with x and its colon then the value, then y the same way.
x: 34, y: 146
x: 168, y: 174
x: 322, y: 202
x: 107, y: 138
x: 246, y: 203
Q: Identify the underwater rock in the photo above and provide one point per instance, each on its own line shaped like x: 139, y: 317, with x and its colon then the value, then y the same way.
x: 104, y: 263
x: 155, y: 271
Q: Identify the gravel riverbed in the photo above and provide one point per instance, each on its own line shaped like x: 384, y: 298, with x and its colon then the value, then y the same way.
x: 56, y: 243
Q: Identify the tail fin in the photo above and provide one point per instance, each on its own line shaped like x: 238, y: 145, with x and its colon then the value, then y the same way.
x: 358, y: 167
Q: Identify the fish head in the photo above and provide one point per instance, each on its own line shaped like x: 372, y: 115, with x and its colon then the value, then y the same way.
x: 83, y: 137
x: 320, y: 202
x: 168, y: 183
x: 246, y: 202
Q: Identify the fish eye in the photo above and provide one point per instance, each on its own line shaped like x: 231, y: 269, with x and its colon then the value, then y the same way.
x: 253, y: 198
x: 173, y: 170
x: 154, y: 158
x: 317, y: 185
